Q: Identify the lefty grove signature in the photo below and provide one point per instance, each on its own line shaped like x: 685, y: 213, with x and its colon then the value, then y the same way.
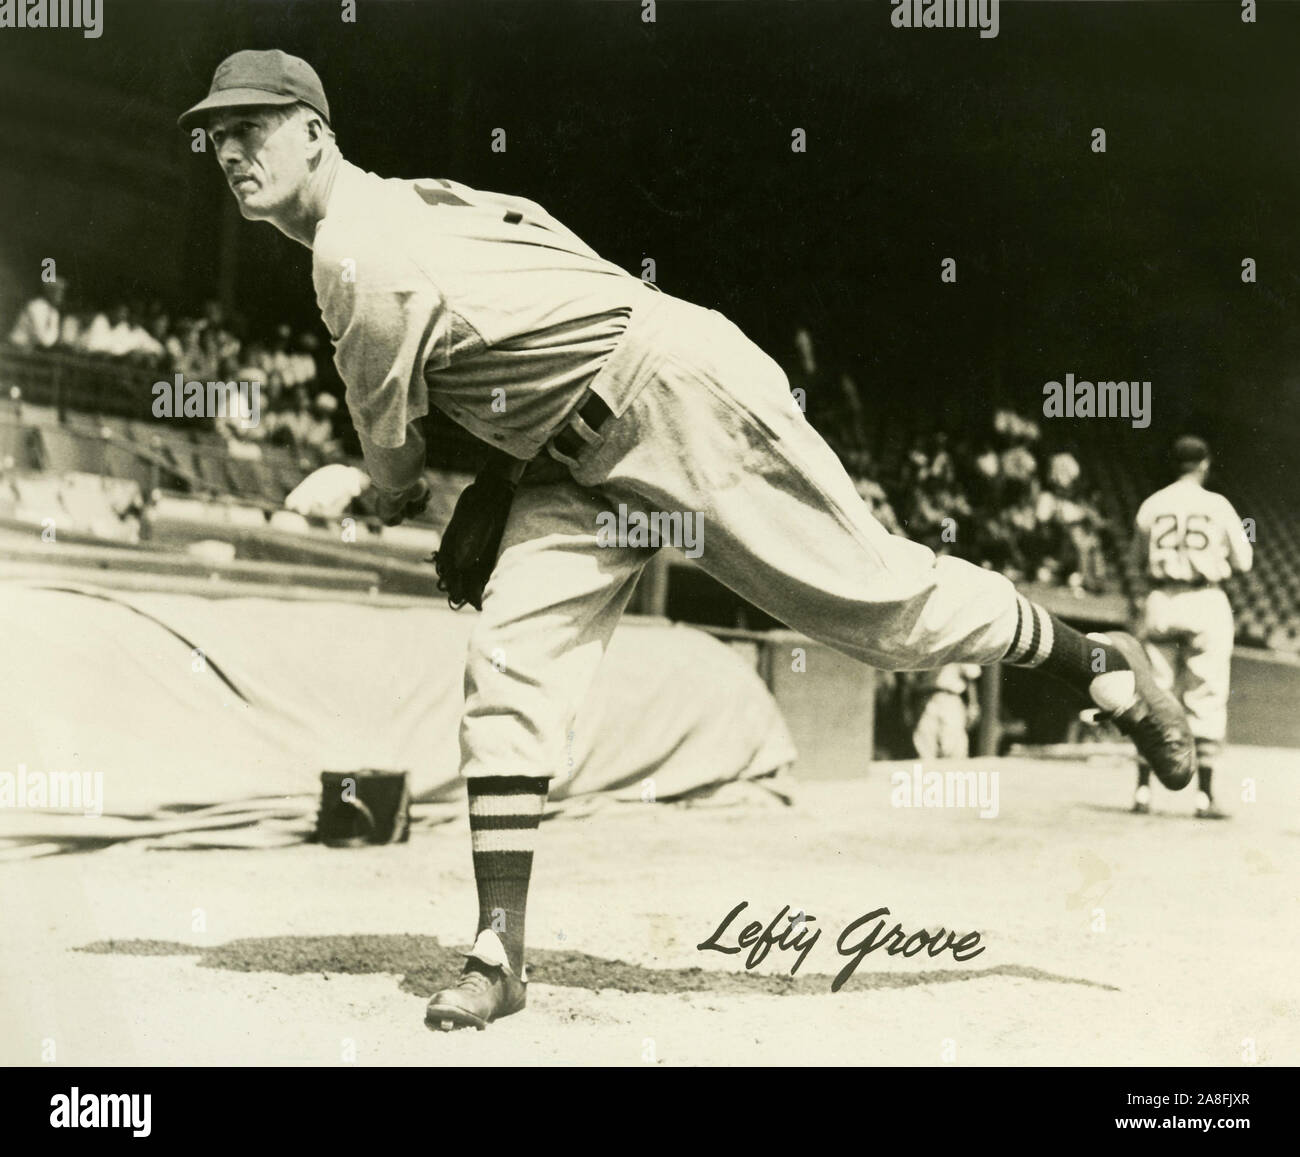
x: 796, y: 936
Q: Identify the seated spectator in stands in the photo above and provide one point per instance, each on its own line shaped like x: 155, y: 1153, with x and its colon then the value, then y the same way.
x: 1018, y: 464
x: 99, y: 337
x: 244, y: 424
x: 254, y: 366
x: 1021, y: 520
x: 1063, y: 472
x: 191, y: 359
x: 862, y: 469
x: 984, y: 481
x: 319, y: 434
x: 939, y: 464
x: 139, y: 342
x: 873, y: 494
x: 279, y: 358
x: 279, y: 398
x: 1073, y: 526
x: 174, y: 345
x: 296, y: 427
x: 96, y: 335
x: 940, y: 517
x: 160, y: 329
x: 216, y: 337
x: 120, y: 337
x: 303, y: 360
x: 1013, y: 429
x: 70, y: 329
x: 1005, y: 541
x: 291, y: 358
x: 39, y: 325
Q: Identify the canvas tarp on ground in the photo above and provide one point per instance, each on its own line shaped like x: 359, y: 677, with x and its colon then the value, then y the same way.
x: 196, y: 710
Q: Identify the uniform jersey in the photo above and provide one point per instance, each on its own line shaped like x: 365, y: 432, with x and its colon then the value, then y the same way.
x: 1191, y: 535
x: 954, y: 678
x: 480, y: 304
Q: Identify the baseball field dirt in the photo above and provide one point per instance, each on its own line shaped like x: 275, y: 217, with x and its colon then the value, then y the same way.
x: 1107, y: 938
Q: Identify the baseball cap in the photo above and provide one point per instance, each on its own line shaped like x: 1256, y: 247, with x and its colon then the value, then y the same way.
x: 252, y: 78
x: 1189, y: 449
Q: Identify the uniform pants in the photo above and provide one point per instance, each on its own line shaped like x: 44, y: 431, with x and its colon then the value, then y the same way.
x: 940, y: 732
x: 1188, y: 636
x: 703, y: 423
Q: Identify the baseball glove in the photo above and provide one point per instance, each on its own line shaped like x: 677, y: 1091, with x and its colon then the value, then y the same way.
x: 468, y: 551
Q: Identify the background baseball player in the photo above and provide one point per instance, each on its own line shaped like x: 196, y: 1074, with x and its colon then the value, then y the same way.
x: 1189, y: 541
x: 488, y: 308
x: 945, y: 709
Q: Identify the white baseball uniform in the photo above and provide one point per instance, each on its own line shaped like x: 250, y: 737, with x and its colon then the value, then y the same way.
x: 487, y: 308
x: 1191, y: 541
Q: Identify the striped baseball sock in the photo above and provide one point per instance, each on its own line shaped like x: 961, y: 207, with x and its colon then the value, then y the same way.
x: 1206, y: 750
x: 1042, y: 640
x: 504, y: 814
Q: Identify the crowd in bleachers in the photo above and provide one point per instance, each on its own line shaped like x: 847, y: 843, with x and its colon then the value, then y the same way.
x: 209, y: 346
x: 993, y: 492
x: 992, y: 496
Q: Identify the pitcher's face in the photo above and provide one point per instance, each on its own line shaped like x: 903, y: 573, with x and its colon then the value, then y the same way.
x: 264, y: 155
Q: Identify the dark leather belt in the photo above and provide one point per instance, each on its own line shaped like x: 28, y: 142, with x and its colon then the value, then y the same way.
x: 1195, y: 584
x: 595, y: 414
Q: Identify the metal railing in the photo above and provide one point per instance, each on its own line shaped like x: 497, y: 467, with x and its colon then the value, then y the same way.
x: 67, y: 380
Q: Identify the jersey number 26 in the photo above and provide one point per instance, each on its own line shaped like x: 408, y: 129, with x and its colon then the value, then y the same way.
x: 1193, y: 535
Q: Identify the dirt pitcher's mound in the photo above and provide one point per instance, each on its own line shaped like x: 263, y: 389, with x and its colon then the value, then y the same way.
x: 1101, y: 937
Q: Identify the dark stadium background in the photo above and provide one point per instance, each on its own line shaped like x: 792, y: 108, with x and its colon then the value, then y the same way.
x: 672, y: 141
x: 208, y: 645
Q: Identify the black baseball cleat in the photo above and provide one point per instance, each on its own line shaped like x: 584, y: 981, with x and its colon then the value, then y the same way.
x: 486, y: 991
x: 1154, y: 721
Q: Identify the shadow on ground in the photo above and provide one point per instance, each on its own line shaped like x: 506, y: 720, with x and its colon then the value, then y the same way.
x: 1156, y: 815
x: 425, y: 966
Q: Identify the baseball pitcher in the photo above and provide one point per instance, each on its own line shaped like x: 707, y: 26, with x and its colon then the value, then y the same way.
x: 596, y: 391
x: 1188, y: 541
